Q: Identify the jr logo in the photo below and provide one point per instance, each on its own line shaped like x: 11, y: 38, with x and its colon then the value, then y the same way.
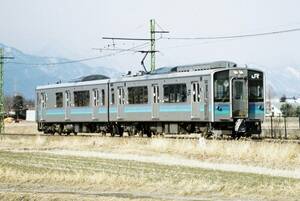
x: 255, y: 76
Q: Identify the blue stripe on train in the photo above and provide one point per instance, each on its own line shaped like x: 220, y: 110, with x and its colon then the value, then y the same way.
x: 175, y: 108
x: 137, y: 109
x: 55, y: 111
x: 256, y: 109
x: 81, y: 111
x: 102, y: 110
x: 113, y: 109
x: 222, y: 110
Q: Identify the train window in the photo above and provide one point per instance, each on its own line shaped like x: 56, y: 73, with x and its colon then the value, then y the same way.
x: 81, y: 98
x: 155, y: 91
x: 175, y: 93
x: 206, y: 90
x: 112, y: 92
x: 221, y: 86
x: 138, y: 95
x: 96, y: 97
x: 43, y: 99
x: 196, y: 92
x: 68, y: 98
x: 59, y: 99
x: 239, y: 92
x: 102, y: 97
x: 121, y: 96
x: 255, y: 84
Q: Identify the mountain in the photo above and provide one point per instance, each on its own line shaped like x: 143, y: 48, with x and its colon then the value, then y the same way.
x: 23, y: 78
x: 283, y: 80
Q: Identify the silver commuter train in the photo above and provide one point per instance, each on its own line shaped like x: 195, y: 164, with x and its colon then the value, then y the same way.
x: 212, y: 98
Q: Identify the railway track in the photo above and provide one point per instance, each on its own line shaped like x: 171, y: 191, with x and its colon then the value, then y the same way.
x: 183, y: 136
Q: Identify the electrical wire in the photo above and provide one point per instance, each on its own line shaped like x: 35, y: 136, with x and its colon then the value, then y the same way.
x: 79, y: 60
x: 233, y: 36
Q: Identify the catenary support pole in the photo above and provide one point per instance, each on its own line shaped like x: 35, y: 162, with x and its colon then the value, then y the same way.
x: 152, y: 49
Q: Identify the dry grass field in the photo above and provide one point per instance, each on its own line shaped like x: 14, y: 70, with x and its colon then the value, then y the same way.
x: 103, y: 168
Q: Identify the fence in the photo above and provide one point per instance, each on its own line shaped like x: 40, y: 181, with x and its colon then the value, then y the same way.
x: 281, y: 127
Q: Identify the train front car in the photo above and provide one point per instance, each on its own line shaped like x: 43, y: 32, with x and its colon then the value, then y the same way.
x: 238, y: 101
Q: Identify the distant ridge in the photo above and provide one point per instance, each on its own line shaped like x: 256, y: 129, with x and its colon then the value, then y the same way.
x: 23, y: 79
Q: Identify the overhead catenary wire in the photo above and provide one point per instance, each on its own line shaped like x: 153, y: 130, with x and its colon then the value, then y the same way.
x: 233, y: 36
x: 161, y: 37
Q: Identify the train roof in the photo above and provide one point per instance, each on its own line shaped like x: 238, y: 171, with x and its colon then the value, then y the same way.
x: 164, y: 72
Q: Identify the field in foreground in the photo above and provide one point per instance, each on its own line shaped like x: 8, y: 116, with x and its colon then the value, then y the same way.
x: 100, y: 168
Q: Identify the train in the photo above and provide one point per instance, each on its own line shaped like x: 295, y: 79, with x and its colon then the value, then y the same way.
x: 211, y: 99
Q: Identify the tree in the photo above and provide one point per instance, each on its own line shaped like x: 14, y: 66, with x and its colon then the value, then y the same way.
x: 18, y: 104
x: 298, y: 111
x: 29, y: 104
x: 287, y: 110
x: 283, y: 98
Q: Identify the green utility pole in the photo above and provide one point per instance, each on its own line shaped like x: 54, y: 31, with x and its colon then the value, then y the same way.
x: 152, y: 50
x: 152, y: 38
x: 2, y: 57
x: 1, y: 93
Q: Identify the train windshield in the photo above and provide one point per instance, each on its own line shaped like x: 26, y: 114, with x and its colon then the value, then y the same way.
x: 221, y: 85
x: 255, y: 85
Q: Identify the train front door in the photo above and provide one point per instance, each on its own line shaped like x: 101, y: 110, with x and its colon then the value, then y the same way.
x: 239, y: 98
x: 155, y: 101
x: 120, y: 103
x: 195, y: 100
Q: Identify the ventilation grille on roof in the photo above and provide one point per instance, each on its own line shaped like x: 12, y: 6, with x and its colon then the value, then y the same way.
x: 204, y: 66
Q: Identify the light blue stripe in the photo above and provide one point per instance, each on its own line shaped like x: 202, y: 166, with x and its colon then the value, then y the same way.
x: 254, y: 109
x: 113, y: 110
x: 175, y: 108
x: 80, y: 111
x: 102, y: 110
x: 202, y: 109
x: 224, y: 110
x: 56, y: 111
x: 137, y: 109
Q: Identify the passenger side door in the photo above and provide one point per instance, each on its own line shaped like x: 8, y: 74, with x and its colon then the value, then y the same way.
x: 43, y: 104
x: 155, y: 101
x: 95, y: 103
x: 120, y: 103
x: 67, y: 104
x: 195, y: 100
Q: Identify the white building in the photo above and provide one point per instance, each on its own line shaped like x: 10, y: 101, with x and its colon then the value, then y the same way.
x: 30, y: 115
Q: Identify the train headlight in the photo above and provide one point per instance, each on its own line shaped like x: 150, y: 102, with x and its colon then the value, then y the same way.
x: 235, y: 72
x: 241, y: 72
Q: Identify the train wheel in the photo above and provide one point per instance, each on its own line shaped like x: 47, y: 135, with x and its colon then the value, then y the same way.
x: 132, y: 132
x: 236, y: 135
x: 140, y: 133
x: 149, y: 133
x: 120, y: 132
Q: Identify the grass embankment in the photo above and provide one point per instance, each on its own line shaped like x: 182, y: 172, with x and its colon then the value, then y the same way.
x: 28, y: 172
x: 263, y: 154
x: 35, y: 175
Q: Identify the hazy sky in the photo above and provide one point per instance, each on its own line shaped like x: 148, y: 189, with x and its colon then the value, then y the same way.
x: 71, y: 28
